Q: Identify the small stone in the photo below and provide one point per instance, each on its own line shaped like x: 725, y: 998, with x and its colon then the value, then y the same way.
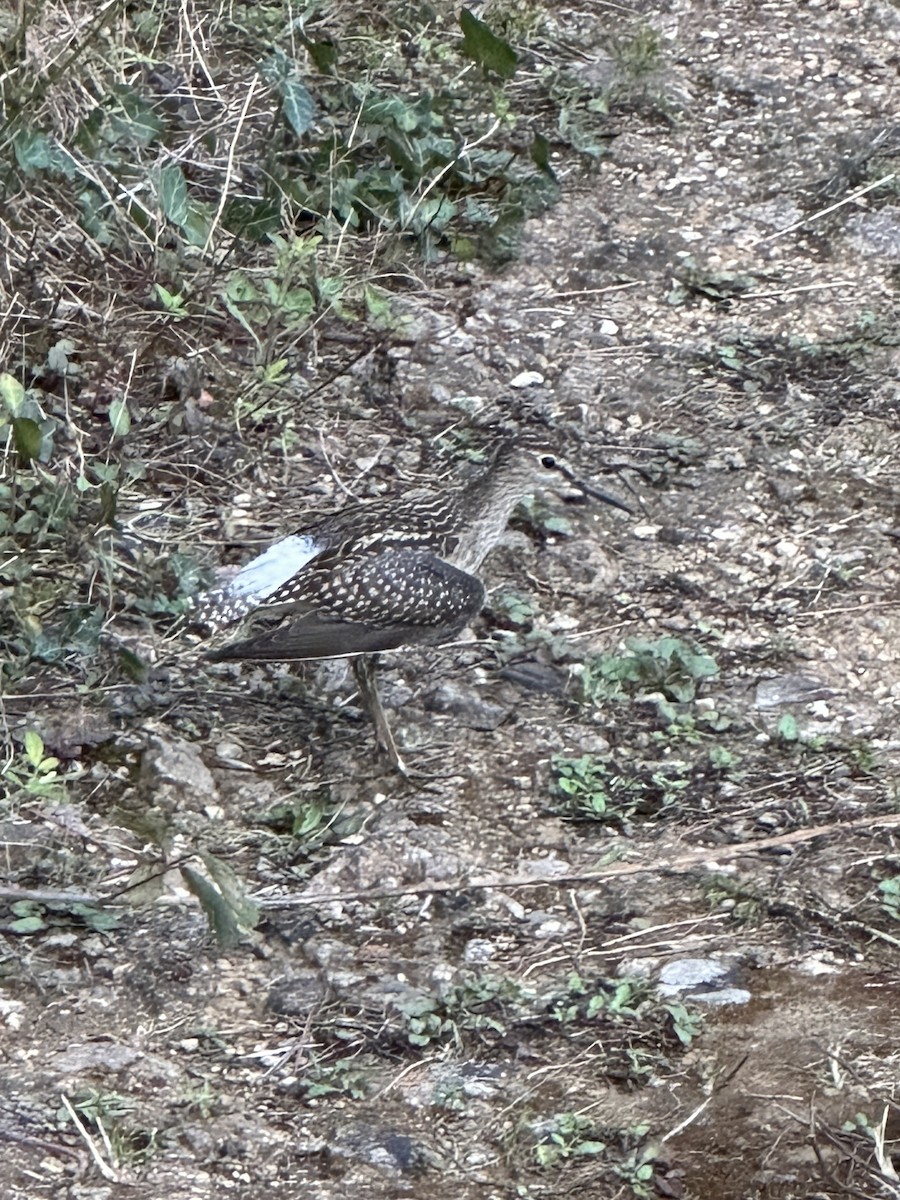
x: 466, y: 705
x: 527, y: 379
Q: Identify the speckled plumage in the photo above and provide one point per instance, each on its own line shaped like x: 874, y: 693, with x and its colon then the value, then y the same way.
x: 377, y: 576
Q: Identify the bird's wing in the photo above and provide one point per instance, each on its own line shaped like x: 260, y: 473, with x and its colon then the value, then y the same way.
x: 380, y: 602
x: 257, y: 583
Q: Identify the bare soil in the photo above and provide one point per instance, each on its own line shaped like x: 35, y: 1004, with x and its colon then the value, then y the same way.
x: 723, y: 353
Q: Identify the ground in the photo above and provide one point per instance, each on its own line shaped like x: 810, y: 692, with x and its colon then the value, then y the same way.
x: 670, y: 739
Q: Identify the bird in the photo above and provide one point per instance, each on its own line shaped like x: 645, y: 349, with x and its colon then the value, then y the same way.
x: 378, y: 576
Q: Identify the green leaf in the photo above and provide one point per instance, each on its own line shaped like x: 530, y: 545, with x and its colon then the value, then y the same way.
x: 27, y: 437
x: 540, y: 155
x: 27, y: 925
x: 119, y: 418
x: 274, y: 371
x: 172, y: 191
x: 233, y: 890
x: 218, y: 911
x: 172, y: 302
x: 378, y: 302
x: 12, y: 393
x: 40, y: 152
x: 590, y: 1147
x: 488, y: 50
x: 252, y: 219
x: 131, y: 119
x: 95, y: 918
x: 323, y: 54
x: 109, y: 495
x: 34, y: 747
x: 298, y: 106
x: 196, y: 224
x: 133, y: 666
x: 787, y: 728
x: 242, y: 290
x: 58, y: 357
x: 298, y: 302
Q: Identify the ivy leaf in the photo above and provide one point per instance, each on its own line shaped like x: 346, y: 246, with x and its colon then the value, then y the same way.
x: 27, y: 925
x: 488, y: 50
x: 12, y: 393
x: 540, y: 155
x: 173, y: 194
x: 218, y: 911
x: 323, y: 54
x: 34, y: 747
x: 27, y: 437
x: 298, y: 105
x: 39, y: 152
x: 119, y: 418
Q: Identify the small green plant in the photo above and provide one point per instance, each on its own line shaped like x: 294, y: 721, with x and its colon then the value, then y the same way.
x: 637, y: 53
x: 787, y: 733
x: 726, y: 892
x: 32, y: 916
x: 889, y: 890
x: 685, y: 1025
x: 638, y: 1169
x: 34, y: 773
x: 477, y: 1005
x: 566, y: 1135
x: 514, y: 609
x: 344, y: 1077
x: 594, y: 789
x: 108, y: 1114
x: 427, y: 1021
x: 876, y: 1132
x: 615, y: 999
x: 669, y: 666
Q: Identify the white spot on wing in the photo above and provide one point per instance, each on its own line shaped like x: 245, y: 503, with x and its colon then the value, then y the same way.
x: 258, y: 580
x: 266, y: 573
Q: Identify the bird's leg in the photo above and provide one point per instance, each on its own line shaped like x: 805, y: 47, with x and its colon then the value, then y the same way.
x: 364, y: 669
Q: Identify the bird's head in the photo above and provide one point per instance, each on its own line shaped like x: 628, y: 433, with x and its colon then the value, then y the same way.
x: 538, y: 466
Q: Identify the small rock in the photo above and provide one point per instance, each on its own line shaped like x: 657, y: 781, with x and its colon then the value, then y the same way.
x: 96, y: 1056
x: 174, y: 776
x: 384, y: 1148
x: 466, y: 705
x: 728, y: 995
x: 535, y: 676
x: 527, y: 379
x: 298, y: 996
x: 688, y: 973
x: 790, y: 689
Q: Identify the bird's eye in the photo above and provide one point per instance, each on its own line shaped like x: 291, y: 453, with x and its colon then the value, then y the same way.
x: 548, y: 461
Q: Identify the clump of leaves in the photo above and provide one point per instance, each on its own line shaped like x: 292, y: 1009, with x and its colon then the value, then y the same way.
x: 343, y: 1077
x: 477, y: 1004
x: 628, y: 998
x: 729, y: 892
x: 34, y: 773
x: 593, y: 788
x: 365, y: 139
x: 33, y: 916
x: 669, y: 666
x: 889, y: 891
x: 109, y: 1115
x: 566, y: 1135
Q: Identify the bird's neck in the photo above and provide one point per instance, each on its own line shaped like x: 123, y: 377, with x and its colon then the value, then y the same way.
x: 487, y: 504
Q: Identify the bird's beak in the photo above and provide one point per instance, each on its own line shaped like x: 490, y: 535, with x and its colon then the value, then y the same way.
x: 593, y: 492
